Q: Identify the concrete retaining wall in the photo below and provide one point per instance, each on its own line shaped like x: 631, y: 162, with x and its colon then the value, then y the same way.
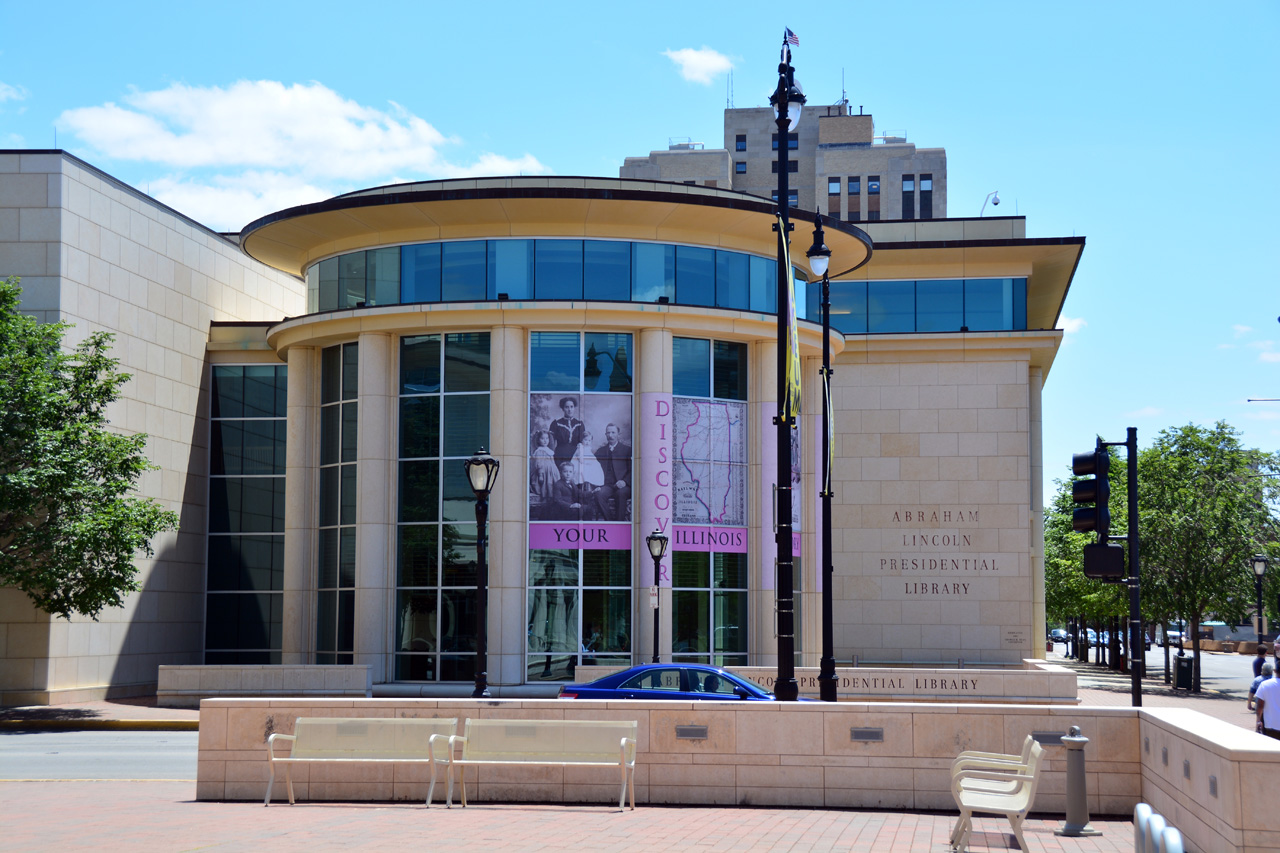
x: 753, y: 753
x: 185, y: 686
x: 1034, y: 683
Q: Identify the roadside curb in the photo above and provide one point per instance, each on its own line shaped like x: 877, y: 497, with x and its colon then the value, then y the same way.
x: 100, y: 725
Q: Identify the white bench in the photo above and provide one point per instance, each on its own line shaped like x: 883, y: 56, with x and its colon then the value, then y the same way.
x: 1011, y: 795
x: 355, y: 740
x: 565, y: 743
x: 1009, y: 762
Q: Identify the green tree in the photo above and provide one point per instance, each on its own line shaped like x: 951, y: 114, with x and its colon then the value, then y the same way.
x: 70, y: 523
x: 1204, y: 502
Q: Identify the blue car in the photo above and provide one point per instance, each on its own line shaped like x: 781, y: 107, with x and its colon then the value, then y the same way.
x: 669, y: 681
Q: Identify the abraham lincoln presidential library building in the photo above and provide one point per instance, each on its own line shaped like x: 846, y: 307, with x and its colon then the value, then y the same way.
x: 312, y: 385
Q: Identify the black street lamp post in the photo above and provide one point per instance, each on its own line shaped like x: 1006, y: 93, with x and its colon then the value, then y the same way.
x: 657, y: 542
x: 482, y: 472
x: 788, y: 103
x: 819, y: 260
x: 1260, y: 562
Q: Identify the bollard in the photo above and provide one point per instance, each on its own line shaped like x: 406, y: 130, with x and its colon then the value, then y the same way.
x: 1141, y: 814
x: 1077, y: 823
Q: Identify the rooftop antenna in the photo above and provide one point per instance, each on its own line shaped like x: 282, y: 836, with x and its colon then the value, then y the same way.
x: 729, y: 99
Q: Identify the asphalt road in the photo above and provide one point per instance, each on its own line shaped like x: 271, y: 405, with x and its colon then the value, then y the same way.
x: 97, y: 755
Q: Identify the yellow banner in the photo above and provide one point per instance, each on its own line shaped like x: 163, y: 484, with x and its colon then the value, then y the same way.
x: 791, y: 405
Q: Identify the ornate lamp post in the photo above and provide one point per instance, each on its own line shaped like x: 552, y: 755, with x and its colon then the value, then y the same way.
x: 482, y: 472
x: 1260, y: 562
x: 788, y: 103
x: 819, y: 259
x: 657, y: 542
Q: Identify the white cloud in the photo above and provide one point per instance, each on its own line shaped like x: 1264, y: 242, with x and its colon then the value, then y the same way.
x: 1269, y: 357
x: 259, y: 145
x: 1071, y: 325
x: 12, y: 93
x: 229, y: 202
x: 699, y: 66
x: 1145, y: 412
x: 1241, y: 331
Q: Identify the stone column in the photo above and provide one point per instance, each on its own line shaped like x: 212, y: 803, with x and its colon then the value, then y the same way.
x: 654, y: 508
x: 375, y: 474
x: 1035, y: 383
x: 508, y: 505
x: 300, y: 512
x: 809, y: 629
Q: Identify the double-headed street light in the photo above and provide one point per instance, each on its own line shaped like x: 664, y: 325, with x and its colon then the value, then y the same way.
x: 657, y: 542
x: 788, y: 104
x: 482, y: 473
x: 1260, y: 562
x: 819, y: 260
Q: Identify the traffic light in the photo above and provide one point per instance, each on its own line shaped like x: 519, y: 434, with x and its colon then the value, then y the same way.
x: 1102, y: 560
x: 1095, y: 490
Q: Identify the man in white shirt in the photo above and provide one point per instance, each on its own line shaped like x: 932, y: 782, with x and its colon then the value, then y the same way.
x: 1267, y: 700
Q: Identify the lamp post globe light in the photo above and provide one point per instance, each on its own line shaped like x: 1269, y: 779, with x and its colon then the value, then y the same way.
x: 657, y: 542
x: 482, y: 473
x: 1260, y: 563
x: 788, y: 104
x: 819, y: 261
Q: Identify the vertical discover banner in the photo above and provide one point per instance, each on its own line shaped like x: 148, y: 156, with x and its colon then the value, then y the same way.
x: 655, y: 480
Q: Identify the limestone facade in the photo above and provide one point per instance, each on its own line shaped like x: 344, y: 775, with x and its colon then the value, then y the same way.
x: 96, y: 253
x: 937, y: 549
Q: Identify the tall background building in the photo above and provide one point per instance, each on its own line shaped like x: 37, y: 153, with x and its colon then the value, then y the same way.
x: 839, y: 165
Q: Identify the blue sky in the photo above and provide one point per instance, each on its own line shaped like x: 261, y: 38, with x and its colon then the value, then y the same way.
x: 1150, y: 129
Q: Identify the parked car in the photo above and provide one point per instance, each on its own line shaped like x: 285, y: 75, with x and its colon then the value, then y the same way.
x: 1058, y: 635
x: 1172, y: 638
x: 682, y: 681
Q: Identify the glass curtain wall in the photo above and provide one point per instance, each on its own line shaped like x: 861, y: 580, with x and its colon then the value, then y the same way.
x: 556, y: 269
x: 709, y: 615
x: 336, y: 576
x: 244, y: 609
x: 938, y: 305
x: 581, y: 436
x: 444, y: 419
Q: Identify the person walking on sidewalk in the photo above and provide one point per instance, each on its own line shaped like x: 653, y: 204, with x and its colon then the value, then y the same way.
x: 1267, y: 671
x: 1259, y: 660
x: 1267, y: 700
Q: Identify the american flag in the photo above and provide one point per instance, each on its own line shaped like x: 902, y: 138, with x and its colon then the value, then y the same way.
x: 790, y: 37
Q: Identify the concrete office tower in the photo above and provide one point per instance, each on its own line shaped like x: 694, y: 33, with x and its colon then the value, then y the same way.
x: 840, y: 165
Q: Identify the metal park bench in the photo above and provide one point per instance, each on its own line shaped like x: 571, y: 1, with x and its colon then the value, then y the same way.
x: 355, y: 740
x: 564, y: 743
x: 1008, y: 789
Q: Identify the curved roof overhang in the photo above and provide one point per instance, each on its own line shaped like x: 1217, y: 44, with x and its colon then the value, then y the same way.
x: 590, y: 208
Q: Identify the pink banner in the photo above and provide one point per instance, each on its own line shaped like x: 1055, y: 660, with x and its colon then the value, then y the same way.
x: 587, y: 535
x: 654, y: 512
x: 731, y: 540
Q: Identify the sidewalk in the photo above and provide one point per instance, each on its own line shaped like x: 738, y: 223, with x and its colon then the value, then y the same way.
x: 1098, y: 685
x: 140, y: 714
x: 161, y: 816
